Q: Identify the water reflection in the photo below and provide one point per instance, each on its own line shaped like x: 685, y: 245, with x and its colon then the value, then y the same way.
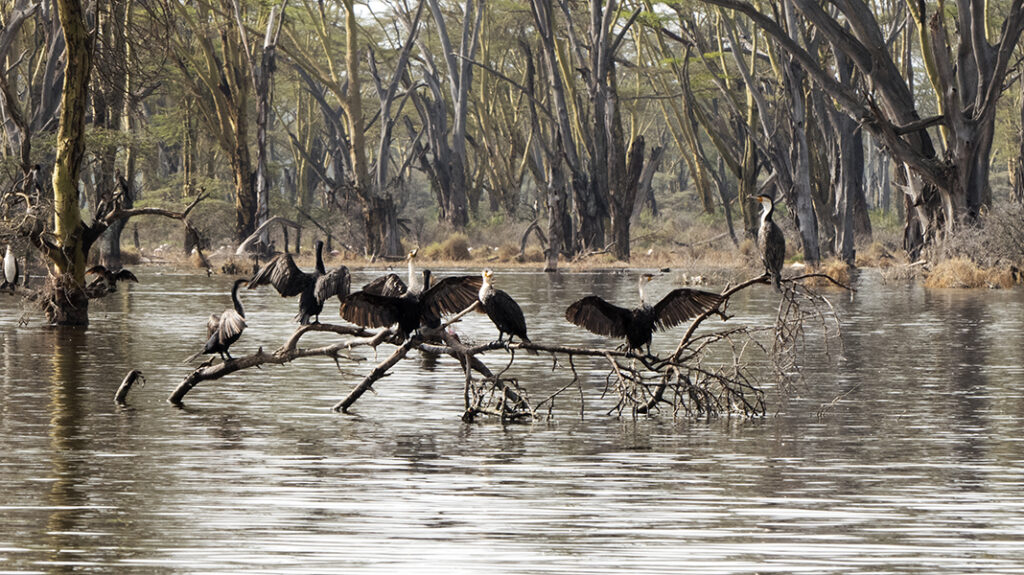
x: 68, y: 497
x: 915, y: 468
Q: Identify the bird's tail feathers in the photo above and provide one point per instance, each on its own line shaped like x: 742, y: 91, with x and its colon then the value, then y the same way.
x: 529, y: 350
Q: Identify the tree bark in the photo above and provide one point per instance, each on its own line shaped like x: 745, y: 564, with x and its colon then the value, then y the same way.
x: 69, y: 302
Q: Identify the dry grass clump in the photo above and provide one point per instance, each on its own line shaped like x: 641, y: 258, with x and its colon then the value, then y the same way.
x: 455, y: 248
x: 130, y: 256
x: 507, y: 253
x: 835, y: 269
x: 237, y: 266
x: 533, y: 254
x: 901, y: 272
x: 877, y: 255
x: 961, y: 272
x: 748, y: 248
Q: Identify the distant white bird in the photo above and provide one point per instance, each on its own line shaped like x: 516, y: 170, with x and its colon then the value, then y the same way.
x: 11, y: 271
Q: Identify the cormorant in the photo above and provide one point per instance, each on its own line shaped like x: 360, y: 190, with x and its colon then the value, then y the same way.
x: 415, y: 306
x: 11, y: 271
x: 225, y: 328
x: 502, y: 309
x: 107, y: 279
x: 770, y: 241
x: 392, y: 285
x: 313, y: 289
x: 638, y: 324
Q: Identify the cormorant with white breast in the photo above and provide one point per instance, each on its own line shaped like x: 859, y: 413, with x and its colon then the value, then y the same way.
x: 770, y: 241
x: 502, y: 309
x: 637, y: 325
x: 313, y: 288
x: 415, y: 306
x: 10, y: 271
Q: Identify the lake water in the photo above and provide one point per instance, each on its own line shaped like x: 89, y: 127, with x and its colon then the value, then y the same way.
x: 918, y: 467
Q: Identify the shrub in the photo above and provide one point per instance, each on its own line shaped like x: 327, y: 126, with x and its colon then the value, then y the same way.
x: 455, y: 248
x: 961, y: 272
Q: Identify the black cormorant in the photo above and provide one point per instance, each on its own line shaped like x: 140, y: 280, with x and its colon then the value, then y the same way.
x: 225, y: 328
x: 11, y: 271
x: 107, y: 279
x: 638, y: 324
x: 502, y: 309
x: 417, y: 305
x: 770, y: 241
x: 313, y: 289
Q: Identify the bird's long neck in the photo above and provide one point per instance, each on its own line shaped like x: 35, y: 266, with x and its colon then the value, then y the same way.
x: 767, y: 211
x: 640, y: 287
x: 320, y: 258
x: 413, y: 280
x: 486, y: 289
x: 234, y: 299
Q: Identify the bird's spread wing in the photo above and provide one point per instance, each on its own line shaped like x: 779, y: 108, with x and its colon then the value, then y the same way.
x: 594, y: 314
x: 453, y: 294
x: 125, y: 275
x: 231, y: 325
x: 334, y: 283
x: 683, y: 304
x: 212, y: 324
x: 96, y: 269
x: 282, y: 273
x: 390, y: 285
x: 370, y: 310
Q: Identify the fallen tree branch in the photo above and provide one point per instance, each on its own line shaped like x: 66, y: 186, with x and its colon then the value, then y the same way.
x: 286, y: 354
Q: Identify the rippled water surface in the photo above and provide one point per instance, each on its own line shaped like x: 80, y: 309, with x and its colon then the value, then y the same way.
x: 918, y: 467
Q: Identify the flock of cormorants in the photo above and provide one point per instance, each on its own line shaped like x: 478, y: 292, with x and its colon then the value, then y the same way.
x: 388, y: 301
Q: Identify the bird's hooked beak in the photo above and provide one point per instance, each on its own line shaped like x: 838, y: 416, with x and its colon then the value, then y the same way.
x: 412, y: 254
x: 487, y: 274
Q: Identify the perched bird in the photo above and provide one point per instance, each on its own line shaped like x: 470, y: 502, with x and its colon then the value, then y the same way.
x: 107, y: 279
x: 417, y: 305
x: 392, y: 285
x: 225, y: 328
x: 11, y: 271
x: 637, y: 325
x: 502, y: 309
x: 770, y: 241
x: 313, y: 288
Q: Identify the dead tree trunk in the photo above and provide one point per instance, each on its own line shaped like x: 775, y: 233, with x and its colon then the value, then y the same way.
x: 624, y: 198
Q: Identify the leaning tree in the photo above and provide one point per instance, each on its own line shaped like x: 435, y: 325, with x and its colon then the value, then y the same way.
x: 967, y: 62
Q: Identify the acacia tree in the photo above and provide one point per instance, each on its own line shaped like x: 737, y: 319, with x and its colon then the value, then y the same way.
x: 68, y: 251
x: 212, y: 58
x: 967, y: 65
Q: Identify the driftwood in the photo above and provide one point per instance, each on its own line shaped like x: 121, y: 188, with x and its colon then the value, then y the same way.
x: 134, y: 376
x: 686, y: 382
